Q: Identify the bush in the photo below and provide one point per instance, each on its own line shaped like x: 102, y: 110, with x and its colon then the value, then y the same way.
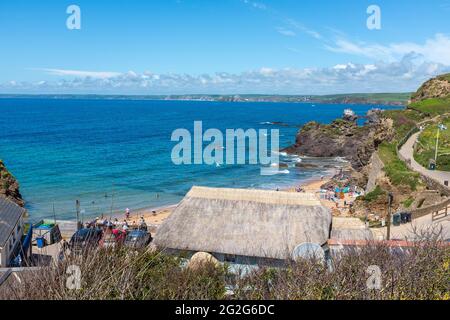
x: 433, y: 106
x: 419, y: 272
x: 374, y: 195
x: 396, y: 170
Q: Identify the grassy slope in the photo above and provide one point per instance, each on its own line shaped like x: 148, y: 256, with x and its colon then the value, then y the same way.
x: 380, y: 97
x: 432, y: 107
x: 427, y: 145
x: 395, y: 169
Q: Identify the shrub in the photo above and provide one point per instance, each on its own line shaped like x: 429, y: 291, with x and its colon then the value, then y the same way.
x: 419, y: 272
x: 374, y: 195
x: 396, y: 170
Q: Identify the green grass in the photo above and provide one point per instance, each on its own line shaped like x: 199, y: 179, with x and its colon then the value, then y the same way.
x: 378, y: 97
x: 427, y: 144
x: 408, y: 202
x: 404, y: 121
x: 445, y: 77
x: 433, y: 106
x: 374, y: 195
x: 395, y: 169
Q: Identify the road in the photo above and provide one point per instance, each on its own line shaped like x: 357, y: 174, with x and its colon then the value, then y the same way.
x: 407, y: 151
x: 416, y: 229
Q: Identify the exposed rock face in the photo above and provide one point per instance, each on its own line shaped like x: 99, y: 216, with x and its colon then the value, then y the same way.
x: 342, y: 138
x: 9, y: 187
x: 347, y: 177
x: 374, y: 172
x: 438, y: 87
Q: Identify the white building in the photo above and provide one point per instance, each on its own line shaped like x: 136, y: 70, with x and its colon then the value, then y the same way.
x: 11, y: 231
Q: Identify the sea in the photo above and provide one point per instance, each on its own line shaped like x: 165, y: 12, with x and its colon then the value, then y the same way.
x: 113, y: 154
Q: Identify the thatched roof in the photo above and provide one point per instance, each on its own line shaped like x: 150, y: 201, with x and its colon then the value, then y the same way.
x: 254, y: 223
x: 351, y: 234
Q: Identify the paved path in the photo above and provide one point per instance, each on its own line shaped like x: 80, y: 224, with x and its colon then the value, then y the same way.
x: 410, y: 231
x: 407, y: 151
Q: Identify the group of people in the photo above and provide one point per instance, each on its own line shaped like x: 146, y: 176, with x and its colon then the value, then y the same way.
x: 104, y: 223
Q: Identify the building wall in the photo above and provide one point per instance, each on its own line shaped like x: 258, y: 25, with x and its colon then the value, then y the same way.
x: 231, y: 259
x: 12, y: 244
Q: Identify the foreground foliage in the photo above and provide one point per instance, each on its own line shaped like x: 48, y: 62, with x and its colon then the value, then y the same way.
x: 420, y: 272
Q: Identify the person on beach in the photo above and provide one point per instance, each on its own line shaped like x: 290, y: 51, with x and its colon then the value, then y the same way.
x: 127, y: 213
x: 142, y: 224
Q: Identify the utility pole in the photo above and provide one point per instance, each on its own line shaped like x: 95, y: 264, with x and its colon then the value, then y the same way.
x: 390, y: 200
x: 437, y: 143
x: 78, y: 215
x: 54, y: 213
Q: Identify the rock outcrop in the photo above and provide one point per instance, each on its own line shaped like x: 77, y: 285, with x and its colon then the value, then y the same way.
x: 438, y: 87
x: 342, y: 138
x: 9, y: 187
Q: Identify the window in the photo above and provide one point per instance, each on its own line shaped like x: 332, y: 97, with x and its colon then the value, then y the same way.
x: 230, y: 258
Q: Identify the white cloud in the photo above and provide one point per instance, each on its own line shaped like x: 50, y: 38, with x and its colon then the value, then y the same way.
x: 436, y: 49
x: 297, y: 25
x: 79, y: 73
x: 286, y: 32
x: 405, y: 74
x: 256, y: 5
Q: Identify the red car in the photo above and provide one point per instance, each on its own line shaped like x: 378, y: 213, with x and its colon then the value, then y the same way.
x: 112, y: 238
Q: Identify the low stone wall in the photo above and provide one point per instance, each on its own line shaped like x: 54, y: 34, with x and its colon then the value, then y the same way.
x: 417, y: 213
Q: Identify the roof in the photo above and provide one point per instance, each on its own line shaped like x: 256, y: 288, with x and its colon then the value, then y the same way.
x: 388, y: 243
x: 254, y: 223
x: 10, y: 213
x: 351, y: 234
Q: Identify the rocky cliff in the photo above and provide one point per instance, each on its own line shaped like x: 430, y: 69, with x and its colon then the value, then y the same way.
x: 9, y: 187
x: 438, y: 87
x: 343, y: 138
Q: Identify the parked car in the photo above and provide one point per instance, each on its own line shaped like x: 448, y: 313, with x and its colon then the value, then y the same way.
x: 84, y: 239
x: 112, y: 238
x: 138, y: 239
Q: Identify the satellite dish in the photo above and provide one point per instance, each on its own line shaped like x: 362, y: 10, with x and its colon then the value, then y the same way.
x: 201, y: 258
x: 307, y: 251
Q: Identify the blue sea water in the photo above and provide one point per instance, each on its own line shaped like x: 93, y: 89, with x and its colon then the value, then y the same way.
x: 114, y: 154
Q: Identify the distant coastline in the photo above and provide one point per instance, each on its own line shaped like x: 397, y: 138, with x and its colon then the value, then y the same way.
x: 395, y: 99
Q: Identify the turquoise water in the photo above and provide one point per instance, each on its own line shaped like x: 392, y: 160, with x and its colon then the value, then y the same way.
x: 117, y: 153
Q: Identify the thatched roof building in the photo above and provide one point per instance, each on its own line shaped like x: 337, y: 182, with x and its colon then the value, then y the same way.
x: 246, y: 223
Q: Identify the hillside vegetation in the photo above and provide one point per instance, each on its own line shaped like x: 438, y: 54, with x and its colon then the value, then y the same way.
x: 426, y: 147
x: 431, y: 100
x: 420, y: 272
x: 9, y: 187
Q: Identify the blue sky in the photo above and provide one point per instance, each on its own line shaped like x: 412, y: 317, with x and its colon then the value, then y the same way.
x: 229, y: 46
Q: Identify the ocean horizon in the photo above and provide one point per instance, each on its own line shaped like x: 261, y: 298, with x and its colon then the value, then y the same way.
x: 116, y: 154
